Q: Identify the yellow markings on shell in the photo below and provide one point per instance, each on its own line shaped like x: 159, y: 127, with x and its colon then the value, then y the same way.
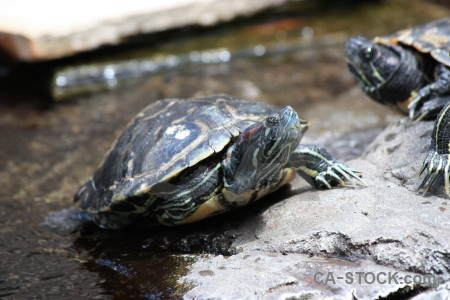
x: 389, y: 40
x: 236, y: 114
x: 166, y: 110
x: 180, y: 131
x: 182, y: 134
x: 432, y: 38
x: 182, y: 155
x: 205, y: 131
x: 174, y: 128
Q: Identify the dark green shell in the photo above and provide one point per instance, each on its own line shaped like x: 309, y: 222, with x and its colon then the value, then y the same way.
x: 432, y: 38
x: 164, y: 139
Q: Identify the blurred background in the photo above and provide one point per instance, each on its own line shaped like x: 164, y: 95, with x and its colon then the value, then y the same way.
x: 73, y: 74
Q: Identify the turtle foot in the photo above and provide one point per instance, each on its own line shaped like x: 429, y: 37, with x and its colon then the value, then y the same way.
x: 339, y: 173
x: 424, y: 107
x: 435, y: 164
x: 430, y: 100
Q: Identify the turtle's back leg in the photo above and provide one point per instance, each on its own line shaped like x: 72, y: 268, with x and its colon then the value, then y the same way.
x: 321, y: 169
x: 437, y: 160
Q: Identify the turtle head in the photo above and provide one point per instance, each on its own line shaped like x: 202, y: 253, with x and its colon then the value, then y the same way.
x: 387, y: 73
x: 260, y: 153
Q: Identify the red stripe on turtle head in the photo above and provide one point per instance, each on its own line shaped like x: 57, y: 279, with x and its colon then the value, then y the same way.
x: 249, y: 132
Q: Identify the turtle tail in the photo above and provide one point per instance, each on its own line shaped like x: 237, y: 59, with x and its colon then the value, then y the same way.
x: 65, y: 221
x: 87, y: 196
x: 90, y: 202
x: 69, y: 220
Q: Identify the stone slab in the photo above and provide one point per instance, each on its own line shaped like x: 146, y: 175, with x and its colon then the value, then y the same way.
x: 47, y: 29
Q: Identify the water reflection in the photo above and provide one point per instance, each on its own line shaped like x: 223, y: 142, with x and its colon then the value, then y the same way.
x: 141, y: 263
x: 90, y: 78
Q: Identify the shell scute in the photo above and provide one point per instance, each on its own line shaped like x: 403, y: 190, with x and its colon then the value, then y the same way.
x: 432, y: 37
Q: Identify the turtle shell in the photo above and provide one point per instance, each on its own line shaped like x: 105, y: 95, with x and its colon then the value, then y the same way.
x: 164, y: 139
x: 432, y: 38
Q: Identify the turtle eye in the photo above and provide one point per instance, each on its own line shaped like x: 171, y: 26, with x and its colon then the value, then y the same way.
x: 273, y: 135
x: 272, y: 121
x: 368, y: 53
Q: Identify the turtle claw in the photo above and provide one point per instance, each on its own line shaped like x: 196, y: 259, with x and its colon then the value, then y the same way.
x: 436, y: 165
x: 422, y: 107
x: 322, y: 179
x: 413, y: 105
x: 337, y: 178
x: 339, y: 173
x: 430, y: 100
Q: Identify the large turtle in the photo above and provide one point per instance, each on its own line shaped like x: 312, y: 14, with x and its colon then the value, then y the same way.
x: 410, y: 70
x: 182, y: 160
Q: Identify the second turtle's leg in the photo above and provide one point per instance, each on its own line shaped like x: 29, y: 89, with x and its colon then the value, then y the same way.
x: 437, y: 160
x: 321, y: 169
x: 431, y: 99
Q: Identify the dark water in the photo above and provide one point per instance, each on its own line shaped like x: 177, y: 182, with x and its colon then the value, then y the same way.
x: 49, y: 150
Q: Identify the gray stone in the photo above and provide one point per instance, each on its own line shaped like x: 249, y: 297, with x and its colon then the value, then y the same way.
x: 384, y: 227
x: 441, y: 292
x: 293, y: 276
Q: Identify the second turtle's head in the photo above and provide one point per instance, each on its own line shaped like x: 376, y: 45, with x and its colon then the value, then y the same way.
x: 371, y: 64
x: 387, y: 73
x: 263, y: 150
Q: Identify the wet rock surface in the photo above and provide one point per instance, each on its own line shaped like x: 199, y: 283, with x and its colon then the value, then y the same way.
x: 294, y: 276
x: 385, y: 227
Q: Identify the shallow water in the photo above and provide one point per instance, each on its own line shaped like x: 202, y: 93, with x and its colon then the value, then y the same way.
x: 49, y: 150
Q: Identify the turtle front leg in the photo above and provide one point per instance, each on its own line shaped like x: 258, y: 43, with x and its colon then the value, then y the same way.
x: 432, y: 97
x: 321, y: 169
x: 437, y: 161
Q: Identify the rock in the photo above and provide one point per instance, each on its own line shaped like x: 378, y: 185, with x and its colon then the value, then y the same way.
x: 384, y: 227
x: 292, y: 276
x: 441, y: 292
x: 400, y: 151
x: 49, y: 29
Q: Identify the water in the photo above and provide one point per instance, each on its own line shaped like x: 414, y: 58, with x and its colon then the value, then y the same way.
x: 48, y: 150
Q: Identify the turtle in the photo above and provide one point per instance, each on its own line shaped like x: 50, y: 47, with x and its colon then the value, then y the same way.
x: 410, y: 70
x: 182, y: 160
